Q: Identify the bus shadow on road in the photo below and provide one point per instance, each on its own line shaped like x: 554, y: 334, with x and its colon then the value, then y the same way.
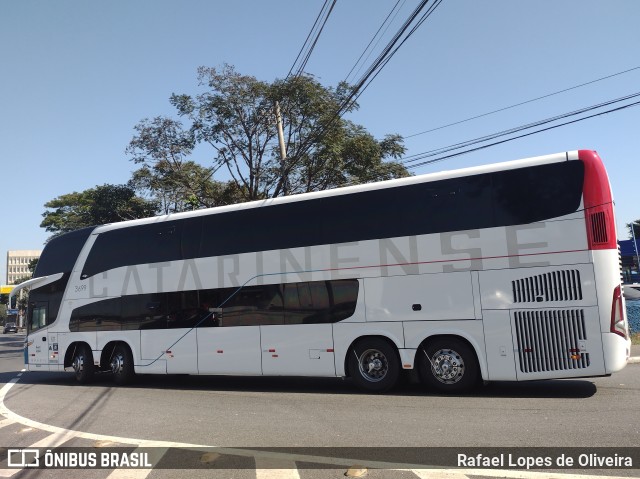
x: 551, y: 388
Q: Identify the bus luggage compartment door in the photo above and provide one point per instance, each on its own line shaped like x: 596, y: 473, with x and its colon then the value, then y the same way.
x: 557, y: 342
x: 304, y: 349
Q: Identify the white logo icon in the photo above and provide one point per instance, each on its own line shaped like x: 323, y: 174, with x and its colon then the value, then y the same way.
x: 23, y: 457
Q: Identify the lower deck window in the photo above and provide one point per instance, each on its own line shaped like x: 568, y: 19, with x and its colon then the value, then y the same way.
x: 310, y: 302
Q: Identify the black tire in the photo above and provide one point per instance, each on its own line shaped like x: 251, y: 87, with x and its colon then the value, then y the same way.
x: 121, y: 364
x: 374, y: 365
x: 82, y: 364
x: 448, y: 365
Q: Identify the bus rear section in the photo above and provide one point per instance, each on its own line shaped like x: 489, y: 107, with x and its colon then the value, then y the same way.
x: 605, y: 255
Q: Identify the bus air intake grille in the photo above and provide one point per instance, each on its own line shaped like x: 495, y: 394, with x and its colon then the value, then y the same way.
x: 599, y: 227
x: 561, y: 285
x: 551, y: 340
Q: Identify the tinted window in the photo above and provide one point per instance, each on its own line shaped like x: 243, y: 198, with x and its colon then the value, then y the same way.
x: 144, y: 311
x: 344, y: 296
x: 252, y: 306
x: 306, y: 303
x: 52, y: 294
x: 185, y: 310
x: 38, y: 315
x: 292, y: 303
x: 103, y: 315
x: 61, y: 253
x: 488, y: 200
x: 537, y: 193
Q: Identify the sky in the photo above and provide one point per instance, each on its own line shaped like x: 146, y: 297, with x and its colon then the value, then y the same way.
x: 77, y: 76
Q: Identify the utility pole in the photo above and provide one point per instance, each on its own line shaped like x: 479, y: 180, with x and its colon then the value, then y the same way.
x: 283, y: 149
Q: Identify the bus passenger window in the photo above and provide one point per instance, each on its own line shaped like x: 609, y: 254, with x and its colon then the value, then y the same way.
x: 38, y: 317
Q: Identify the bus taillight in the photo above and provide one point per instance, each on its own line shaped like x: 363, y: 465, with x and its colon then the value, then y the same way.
x: 598, y: 203
x: 618, y: 323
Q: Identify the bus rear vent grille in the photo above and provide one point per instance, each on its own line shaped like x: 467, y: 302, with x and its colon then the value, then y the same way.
x: 551, y: 340
x: 554, y: 286
x: 599, y: 227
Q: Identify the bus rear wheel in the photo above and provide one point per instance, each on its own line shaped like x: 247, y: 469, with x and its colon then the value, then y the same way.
x: 448, y: 365
x: 82, y: 364
x: 374, y: 365
x: 122, y: 365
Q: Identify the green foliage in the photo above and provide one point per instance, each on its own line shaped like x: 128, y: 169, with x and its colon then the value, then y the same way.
x: 182, y: 187
x: 99, y: 205
x: 32, y: 265
x: 235, y: 118
x: 4, y: 298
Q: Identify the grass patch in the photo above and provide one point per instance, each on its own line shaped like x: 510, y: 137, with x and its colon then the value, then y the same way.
x: 635, y: 338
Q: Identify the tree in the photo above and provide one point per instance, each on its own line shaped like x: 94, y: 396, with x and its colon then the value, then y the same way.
x: 235, y: 119
x: 95, y: 206
x: 636, y: 227
x: 182, y: 187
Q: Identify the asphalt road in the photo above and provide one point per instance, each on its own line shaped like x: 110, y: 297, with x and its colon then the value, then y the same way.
x: 240, y: 412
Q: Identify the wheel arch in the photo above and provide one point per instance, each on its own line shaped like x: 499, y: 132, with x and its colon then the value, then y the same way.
x: 387, y: 339
x: 71, y: 351
x: 476, y: 347
x: 107, y: 351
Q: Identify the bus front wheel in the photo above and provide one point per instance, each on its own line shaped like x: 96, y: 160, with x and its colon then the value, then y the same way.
x: 122, y: 365
x: 448, y: 365
x: 374, y: 365
x: 82, y: 364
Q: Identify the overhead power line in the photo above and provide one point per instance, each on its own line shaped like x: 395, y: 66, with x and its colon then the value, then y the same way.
x: 387, y: 21
x: 312, y: 38
x: 518, y: 129
x: 522, y: 103
x: 401, y: 36
x: 408, y: 28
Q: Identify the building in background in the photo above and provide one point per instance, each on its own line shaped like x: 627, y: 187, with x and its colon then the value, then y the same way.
x: 18, y: 263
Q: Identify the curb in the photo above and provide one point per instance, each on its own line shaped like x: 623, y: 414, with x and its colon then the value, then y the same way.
x: 633, y: 360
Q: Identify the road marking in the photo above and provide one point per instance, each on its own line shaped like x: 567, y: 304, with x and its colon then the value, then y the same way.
x: 6, y: 422
x: 55, y: 439
x: 438, y: 474
x: 270, y: 468
x: 286, y: 467
x: 503, y: 473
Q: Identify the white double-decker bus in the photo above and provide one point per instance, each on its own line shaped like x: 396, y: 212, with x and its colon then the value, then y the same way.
x: 501, y: 272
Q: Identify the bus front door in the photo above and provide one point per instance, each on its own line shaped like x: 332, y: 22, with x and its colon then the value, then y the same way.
x: 38, y: 343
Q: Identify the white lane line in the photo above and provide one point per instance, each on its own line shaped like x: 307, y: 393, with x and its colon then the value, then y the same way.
x: 55, y: 439
x: 79, y: 434
x: 506, y: 473
x: 261, y: 455
x: 271, y: 468
x: 6, y: 422
x: 438, y: 474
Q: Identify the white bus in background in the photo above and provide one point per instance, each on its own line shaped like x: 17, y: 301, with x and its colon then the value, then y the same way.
x: 500, y: 272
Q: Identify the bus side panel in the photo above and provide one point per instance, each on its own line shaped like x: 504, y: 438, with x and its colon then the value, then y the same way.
x: 607, y: 270
x: 553, y: 321
x: 501, y: 359
x: 420, y: 297
x: 177, y: 346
